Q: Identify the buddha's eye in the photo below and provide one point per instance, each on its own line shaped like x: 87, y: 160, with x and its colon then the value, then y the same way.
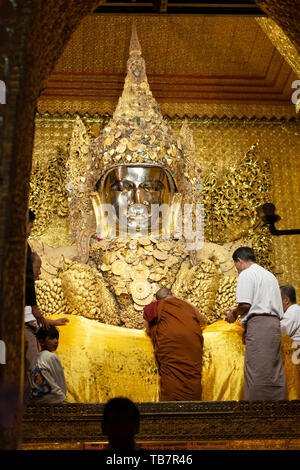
x: 152, y: 186
x: 122, y: 186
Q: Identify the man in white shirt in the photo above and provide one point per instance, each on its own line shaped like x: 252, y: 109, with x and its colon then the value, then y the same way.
x: 290, y: 323
x: 260, y: 307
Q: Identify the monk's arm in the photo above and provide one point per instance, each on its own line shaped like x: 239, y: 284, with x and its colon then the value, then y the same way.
x: 150, y: 328
x: 202, y: 318
x: 147, y: 327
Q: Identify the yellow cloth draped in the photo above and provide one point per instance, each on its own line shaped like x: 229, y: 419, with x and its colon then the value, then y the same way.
x: 102, y: 361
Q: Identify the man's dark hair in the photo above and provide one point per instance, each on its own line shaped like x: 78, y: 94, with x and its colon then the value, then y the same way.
x: 120, y: 404
x: 31, y: 216
x: 289, y: 291
x: 245, y: 253
x: 163, y: 292
x: 44, y: 333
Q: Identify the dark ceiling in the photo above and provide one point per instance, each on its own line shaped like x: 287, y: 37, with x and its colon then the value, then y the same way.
x: 208, y: 7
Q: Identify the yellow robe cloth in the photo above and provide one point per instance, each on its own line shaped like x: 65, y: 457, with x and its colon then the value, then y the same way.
x: 102, y: 361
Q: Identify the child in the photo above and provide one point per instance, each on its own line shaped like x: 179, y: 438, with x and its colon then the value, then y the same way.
x: 46, y: 375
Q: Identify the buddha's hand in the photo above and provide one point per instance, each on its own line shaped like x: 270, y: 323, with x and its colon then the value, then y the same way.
x: 230, y: 314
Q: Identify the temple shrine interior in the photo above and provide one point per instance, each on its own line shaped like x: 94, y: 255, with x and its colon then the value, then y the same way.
x: 193, y: 105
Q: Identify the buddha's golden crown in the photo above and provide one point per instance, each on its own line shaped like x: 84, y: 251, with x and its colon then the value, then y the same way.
x: 137, y: 133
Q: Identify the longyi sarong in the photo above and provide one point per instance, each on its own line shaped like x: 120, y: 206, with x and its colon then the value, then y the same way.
x: 264, y: 373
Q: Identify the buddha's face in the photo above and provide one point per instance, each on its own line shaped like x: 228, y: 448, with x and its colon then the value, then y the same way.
x: 136, y: 192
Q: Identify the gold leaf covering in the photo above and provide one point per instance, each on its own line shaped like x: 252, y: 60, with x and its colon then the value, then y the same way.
x: 107, y: 361
x: 86, y: 293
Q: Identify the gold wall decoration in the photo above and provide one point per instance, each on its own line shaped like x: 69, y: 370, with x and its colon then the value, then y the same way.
x: 65, y: 105
x: 48, y: 195
x: 231, y: 203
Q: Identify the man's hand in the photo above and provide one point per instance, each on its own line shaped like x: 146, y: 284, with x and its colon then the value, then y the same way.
x: 230, y: 314
x: 58, y: 322
x: 41, y: 321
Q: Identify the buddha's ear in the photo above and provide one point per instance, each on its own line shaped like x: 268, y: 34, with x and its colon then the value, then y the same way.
x: 105, y: 217
x: 176, y: 198
x: 173, y: 225
x: 96, y: 202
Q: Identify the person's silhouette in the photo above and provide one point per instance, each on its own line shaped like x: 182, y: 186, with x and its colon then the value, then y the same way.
x: 121, y: 423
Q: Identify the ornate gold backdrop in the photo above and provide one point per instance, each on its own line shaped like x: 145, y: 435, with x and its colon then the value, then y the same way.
x: 221, y: 146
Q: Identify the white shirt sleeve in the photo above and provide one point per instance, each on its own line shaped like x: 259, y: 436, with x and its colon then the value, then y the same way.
x: 288, y: 325
x: 245, y: 288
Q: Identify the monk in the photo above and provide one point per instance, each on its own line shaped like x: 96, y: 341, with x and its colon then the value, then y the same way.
x: 175, y: 328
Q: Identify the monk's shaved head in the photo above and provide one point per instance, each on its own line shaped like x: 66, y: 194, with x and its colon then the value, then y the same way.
x: 163, y: 293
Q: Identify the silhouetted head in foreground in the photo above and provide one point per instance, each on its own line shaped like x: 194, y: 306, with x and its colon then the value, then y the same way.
x: 120, y: 424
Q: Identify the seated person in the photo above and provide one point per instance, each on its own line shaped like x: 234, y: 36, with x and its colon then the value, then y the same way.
x: 290, y: 323
x: 31, y: 327
x: 175, y: 328
x: 46, y: 375
x: 121, y: 419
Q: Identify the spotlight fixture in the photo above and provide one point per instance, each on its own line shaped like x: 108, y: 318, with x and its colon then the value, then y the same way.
x: 269, y: 217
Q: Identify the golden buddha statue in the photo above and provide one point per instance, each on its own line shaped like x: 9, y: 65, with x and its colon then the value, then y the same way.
x: 131, y: 192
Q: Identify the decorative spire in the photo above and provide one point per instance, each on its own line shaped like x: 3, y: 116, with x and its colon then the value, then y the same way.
x: 135, y: 47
